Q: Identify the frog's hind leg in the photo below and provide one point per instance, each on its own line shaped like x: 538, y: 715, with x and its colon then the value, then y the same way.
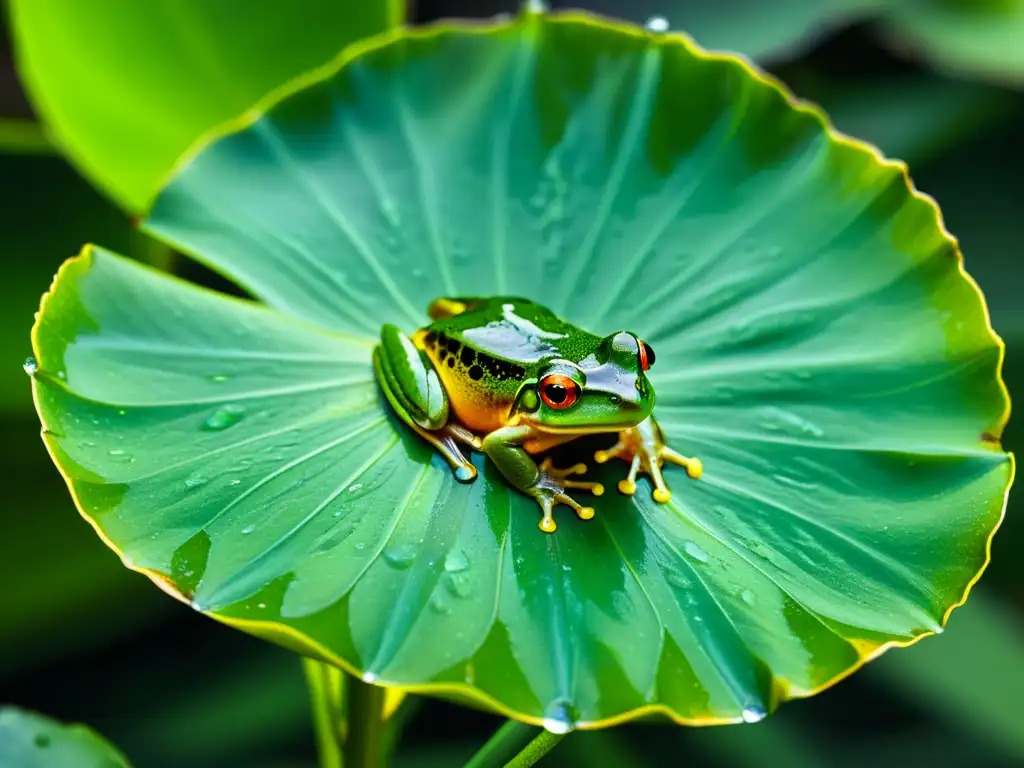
x: 414, y: 391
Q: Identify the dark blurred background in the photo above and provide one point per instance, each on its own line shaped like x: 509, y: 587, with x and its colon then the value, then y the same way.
x: 83, y: 639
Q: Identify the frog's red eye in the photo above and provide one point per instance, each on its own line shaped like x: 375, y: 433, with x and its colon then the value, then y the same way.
x: 559, y: 391
x: 646, y: 356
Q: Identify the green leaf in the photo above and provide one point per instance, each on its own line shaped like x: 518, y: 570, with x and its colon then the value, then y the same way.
x: 41, y: 224
x: 977, y: 38
x: 28, y: 740
x: 819, y: 347
x: 776, y: 30
x: 125, y: 87
x: 921, y: 118
x: 23, y: 137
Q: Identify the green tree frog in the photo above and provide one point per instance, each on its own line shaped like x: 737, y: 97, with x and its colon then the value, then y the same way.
x: 506, y: 376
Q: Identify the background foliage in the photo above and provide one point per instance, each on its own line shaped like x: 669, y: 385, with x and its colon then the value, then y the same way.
x: 83, y: 639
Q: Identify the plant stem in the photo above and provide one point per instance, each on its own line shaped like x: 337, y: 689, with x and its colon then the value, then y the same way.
x: 535, y: 750
x: 396, y: 724
x: 507, y: 742
x: 365, y: 707
x: 325, y: 689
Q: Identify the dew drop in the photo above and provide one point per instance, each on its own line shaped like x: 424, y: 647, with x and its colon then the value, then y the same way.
x: 224, y: 417
x: 456, y: 561
x: 261, y: 606
x: 748, y: 597
x: 439, y: 605
x: 657, y: 24
x: 31, y: 366
x: 236, y: 481
x: 248, y: 529
x: 676, y: 578
x: 61, y: 375
x: 459, y: 584
x: 400, y: 557
x: 753, y: 714
x: 355, y: 487
x: 196, y: 480
x: 559, y: 717
x: 218, y: 378
x: 694, y: 551
x: 360, y: 546
x: 535, y: 6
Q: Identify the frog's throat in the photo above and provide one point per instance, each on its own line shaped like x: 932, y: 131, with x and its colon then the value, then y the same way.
x: 555, y: 430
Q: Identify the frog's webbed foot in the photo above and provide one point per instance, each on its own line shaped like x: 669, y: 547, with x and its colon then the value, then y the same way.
x: 643, y: 446
x: 550, y: 490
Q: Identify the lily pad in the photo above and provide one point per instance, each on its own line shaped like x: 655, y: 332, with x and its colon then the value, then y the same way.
x: 818, y: 343
x: 125, y: 87
x: 28, y: 740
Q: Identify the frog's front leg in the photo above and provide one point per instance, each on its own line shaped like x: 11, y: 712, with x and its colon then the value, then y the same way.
x: 544, y: 483
x: 643, y: 446
x: 412, y: 387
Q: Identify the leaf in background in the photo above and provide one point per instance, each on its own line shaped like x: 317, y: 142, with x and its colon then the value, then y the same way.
x: 975, y: 38
x: 818, y: 346
x: 46, y: 217
x: 765, y: 31
x: 23, y: 137
x: 126, y: 86
x: 919, y: 118
x: 28, y: 740
x: 971, y: 676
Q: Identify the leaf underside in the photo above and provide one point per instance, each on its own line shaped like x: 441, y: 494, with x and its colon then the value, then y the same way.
x: 818, y: 347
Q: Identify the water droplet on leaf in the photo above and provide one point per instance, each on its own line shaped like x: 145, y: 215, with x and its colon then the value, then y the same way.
x: 694, y: 551
x: 753, y: 714
x: 248, y: 529
x: 440, y: 606
x: 218, y: 377
x: 559, y: 717
x: 456, y: 561
x: 748, y: 597
x: 224, y: 417
x: 400, y: 557
x: 657, y: 25
x: 459, y: 584
x: 31, y: 366
x: 195, y: 480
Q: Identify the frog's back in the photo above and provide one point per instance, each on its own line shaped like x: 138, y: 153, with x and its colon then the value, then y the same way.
x: 486, y: 347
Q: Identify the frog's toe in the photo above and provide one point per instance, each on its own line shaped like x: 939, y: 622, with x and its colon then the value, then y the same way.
x: 583, y: 513
x: 465, y: 473
x: 560, y: 474
x: 694, y: 467
x: 619, y: 450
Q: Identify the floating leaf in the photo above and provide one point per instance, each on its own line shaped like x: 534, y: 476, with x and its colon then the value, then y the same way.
x: 28, y: 740
x: 125, y: 87
x: 819, y: 347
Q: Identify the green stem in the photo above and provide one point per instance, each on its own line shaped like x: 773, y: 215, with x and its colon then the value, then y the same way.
x: 535, y: 750
x: 396, y: 724
x: 325, y: 687
x: 365, y: 709
x: 507, y: 742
